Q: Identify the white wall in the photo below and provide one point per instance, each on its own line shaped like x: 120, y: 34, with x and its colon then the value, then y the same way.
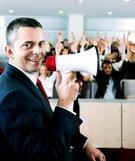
x: 108, y: 26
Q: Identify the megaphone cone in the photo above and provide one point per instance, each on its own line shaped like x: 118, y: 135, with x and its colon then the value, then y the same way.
x: 86, y: 61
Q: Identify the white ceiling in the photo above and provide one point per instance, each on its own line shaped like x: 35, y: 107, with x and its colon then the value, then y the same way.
x: 93, y: 8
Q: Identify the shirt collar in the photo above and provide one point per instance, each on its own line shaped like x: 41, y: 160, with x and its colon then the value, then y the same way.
x: 32, y: 77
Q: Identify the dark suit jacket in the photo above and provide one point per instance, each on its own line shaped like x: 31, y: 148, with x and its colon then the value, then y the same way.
x: 29, y: 130
x: 128, y: 70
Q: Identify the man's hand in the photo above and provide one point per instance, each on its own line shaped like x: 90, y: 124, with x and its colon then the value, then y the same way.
x: 94, y: 154
x: 67, y: 89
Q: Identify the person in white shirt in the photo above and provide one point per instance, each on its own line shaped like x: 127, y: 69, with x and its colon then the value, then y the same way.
x: 48, y: 79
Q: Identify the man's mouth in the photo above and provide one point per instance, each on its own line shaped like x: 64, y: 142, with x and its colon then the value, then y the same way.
x: 35, y: 60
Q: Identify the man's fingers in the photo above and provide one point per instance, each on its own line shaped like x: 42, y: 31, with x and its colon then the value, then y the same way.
x: 68, y: 77
x: 58, y: 78
x: 92, y: 158
x: 102, y: 158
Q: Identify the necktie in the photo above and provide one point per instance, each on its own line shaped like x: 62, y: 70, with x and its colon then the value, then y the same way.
x: 41, y: 88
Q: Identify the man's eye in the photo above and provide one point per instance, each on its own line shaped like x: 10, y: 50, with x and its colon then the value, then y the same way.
x: 27, y: 46
x: 42, y: 44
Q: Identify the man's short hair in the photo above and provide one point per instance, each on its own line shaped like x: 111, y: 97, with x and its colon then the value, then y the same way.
x: 16, y: 24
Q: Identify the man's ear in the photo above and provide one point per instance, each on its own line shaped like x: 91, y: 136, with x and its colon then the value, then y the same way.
x: 9, y: 51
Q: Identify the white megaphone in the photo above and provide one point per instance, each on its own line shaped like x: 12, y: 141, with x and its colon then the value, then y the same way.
x: 86, y: 61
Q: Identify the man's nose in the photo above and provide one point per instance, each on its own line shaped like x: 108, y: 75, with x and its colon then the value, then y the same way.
x: 36, y: 49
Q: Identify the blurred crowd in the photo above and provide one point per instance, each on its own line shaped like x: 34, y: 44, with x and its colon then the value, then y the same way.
x: 116, y: 61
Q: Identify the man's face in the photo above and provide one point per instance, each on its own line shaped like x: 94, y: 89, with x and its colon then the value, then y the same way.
x: 28, y: 49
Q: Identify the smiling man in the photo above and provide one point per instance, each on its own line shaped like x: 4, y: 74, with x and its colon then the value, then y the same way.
x: 29, y: 129
x: 25, y: 50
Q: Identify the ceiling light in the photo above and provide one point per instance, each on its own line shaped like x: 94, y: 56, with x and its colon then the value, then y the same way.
x: 80, y: 1
x: 126, y: 0
x: 110, y: 13
x: 11, y: 11
x: 61, y: 12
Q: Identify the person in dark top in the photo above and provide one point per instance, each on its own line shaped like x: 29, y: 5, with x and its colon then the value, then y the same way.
x: 128, y: 70
x: 108, y: 82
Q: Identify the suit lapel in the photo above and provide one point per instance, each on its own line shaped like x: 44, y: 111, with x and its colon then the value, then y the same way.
x: 21, y: 77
